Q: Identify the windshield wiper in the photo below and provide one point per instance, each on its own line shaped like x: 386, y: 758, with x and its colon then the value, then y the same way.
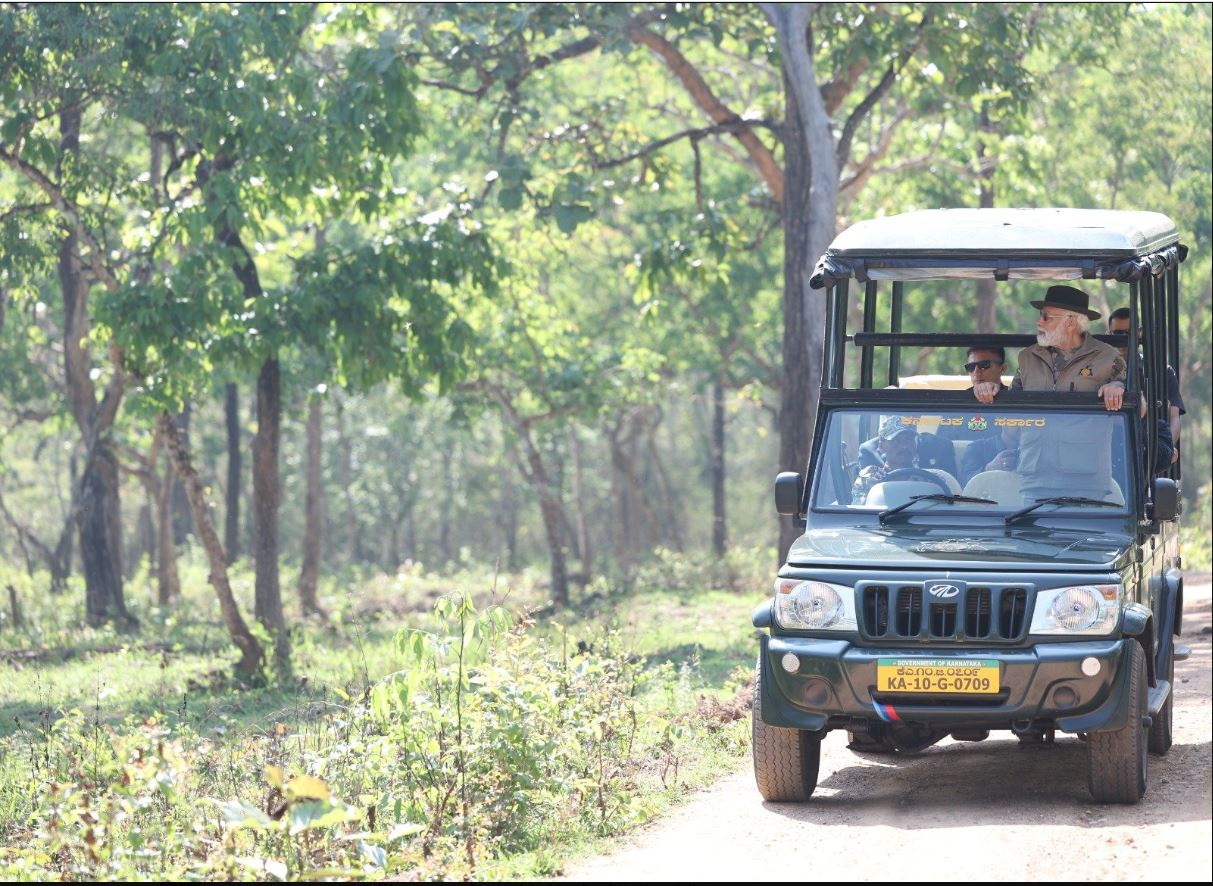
x: 1059, y: 500
x: 932, y: 496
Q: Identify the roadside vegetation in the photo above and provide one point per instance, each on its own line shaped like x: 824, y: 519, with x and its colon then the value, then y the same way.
x: 515, y: 284
x: 434, y: 729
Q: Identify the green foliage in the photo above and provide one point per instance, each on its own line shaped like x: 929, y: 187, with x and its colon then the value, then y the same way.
x: 1195, y: 534
x: 492, y: 745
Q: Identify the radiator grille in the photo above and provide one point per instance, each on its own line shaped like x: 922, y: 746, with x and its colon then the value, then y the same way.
x: 976, y: 613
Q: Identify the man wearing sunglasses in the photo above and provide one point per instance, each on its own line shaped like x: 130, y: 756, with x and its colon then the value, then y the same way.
x: 986, y: 365
x: 1066, y: 357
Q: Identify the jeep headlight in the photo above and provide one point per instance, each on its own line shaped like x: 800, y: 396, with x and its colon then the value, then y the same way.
x: 814, y: 605
x: 1080, y: 609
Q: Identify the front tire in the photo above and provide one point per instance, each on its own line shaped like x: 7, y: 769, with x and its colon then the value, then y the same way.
x: 786, y: 761
x: 1116, y: 761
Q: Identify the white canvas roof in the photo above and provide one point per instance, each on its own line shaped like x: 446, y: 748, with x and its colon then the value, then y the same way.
x: 1008, y: 232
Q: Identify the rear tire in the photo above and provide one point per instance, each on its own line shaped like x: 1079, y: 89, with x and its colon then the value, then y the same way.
x: 1116, y: 761
x: 786, y: 761
x: 1160, y: 730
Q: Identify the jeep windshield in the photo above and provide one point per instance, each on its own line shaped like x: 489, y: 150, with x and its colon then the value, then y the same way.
x: 988, y: 460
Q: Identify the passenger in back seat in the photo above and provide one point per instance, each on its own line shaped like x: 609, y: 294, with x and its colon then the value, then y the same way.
x: 992, y: 453
x: 983, y: 365
x: 986, y: 365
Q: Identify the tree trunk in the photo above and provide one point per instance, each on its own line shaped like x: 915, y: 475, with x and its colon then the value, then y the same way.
x: 97, y: 520
x: 99, y: 512
x: 507, y: 521
x: 313, y: 510
x: 584, y: 545
x: 168, y: 583
x: 353, y: 523
x: 716, y: 469
x: 251, y: 653
x: 267, y: 591
x: 145, y: 540
x: 181, y: 505
x: 672, y: 522
x: 231, y: 510
x: 809, y: 209
x: 550, y: 507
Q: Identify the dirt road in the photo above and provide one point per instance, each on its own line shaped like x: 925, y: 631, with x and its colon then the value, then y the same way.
x: 957, y: 812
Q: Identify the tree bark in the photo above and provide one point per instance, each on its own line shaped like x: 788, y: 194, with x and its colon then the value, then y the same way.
x: 251, y: 653
x: 809, y: 209
x: 551, y: 508
x: 508, y: 521
x: 267, y: 589
x: 716, y: 469
x: 99, y: 511
x: 313, y: 512
x: 584, y: 544
x: 671, y: 525
x: 96, y: 520
x: 181, y: 506
x: 145, y: 539
x: 345, y: 477
x: 268, y: 592
x: 168, y: 583
x: 231, y: 510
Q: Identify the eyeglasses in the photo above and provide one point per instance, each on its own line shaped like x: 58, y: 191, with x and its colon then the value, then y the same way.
x: 980, y: 364
x: 1049, y: 318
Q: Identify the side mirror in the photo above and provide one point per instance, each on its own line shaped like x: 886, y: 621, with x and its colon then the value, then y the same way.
x: 1166, y: 499
x: 789, y: 490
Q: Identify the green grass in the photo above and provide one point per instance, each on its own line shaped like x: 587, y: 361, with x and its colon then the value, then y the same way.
x: 1194, y: 533
x: 142, y: 720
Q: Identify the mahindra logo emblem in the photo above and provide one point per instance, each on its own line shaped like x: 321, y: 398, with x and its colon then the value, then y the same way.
x: 943, y: 592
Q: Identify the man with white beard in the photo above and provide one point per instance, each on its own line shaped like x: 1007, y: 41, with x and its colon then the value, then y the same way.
x: 1066, y: 357
x: 1070, y: 453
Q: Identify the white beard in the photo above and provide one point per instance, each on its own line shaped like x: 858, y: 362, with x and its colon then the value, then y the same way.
x: 1049, y: 338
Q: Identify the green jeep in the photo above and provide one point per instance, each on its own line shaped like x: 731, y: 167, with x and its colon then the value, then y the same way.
x: 1040, y: 597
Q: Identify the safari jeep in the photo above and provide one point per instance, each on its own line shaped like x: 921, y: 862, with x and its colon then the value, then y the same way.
x: 1039, y: 598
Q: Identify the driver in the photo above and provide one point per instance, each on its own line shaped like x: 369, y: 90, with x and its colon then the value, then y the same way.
x: 897, y: 444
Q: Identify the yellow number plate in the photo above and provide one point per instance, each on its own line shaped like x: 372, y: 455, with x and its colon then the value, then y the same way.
x: 937, y: 675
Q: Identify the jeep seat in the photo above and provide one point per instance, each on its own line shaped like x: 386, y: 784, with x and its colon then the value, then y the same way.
x: 1002, y: 486
x: 892, y: 493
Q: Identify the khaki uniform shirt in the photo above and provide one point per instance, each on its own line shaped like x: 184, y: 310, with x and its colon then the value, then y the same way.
x: 1088, y: 367
x: 1071, y: 455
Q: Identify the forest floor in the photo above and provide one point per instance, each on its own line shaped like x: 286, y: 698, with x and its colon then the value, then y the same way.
x: 958, y: 811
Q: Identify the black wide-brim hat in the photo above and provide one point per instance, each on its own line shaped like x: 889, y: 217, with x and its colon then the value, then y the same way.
x: 1069, y: 299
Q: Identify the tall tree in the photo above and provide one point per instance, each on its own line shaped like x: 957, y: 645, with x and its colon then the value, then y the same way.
x: 851, y: 76
x: 58, y: 64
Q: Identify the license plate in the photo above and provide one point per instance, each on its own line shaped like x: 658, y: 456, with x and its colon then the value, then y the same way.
x: 937, y: 675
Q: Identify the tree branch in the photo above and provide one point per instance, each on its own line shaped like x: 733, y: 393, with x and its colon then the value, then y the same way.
x: 833, y: 93
x: 693, y: 134
x: 886, y: 82
x: 884, y: 141
x: 68, y: 210
x: 762, y: 156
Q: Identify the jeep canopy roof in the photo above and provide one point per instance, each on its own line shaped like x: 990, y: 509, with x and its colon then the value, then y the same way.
x: 1039, y: 244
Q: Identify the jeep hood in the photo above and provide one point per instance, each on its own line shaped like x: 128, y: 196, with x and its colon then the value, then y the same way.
x: 912, y: 546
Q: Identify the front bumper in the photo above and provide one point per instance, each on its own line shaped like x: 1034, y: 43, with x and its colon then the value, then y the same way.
x: 835, y: 685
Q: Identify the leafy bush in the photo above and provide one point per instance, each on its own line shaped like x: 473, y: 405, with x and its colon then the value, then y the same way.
x: 490, y: 744
x: 741, y: 569
x: 1194, y: 533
